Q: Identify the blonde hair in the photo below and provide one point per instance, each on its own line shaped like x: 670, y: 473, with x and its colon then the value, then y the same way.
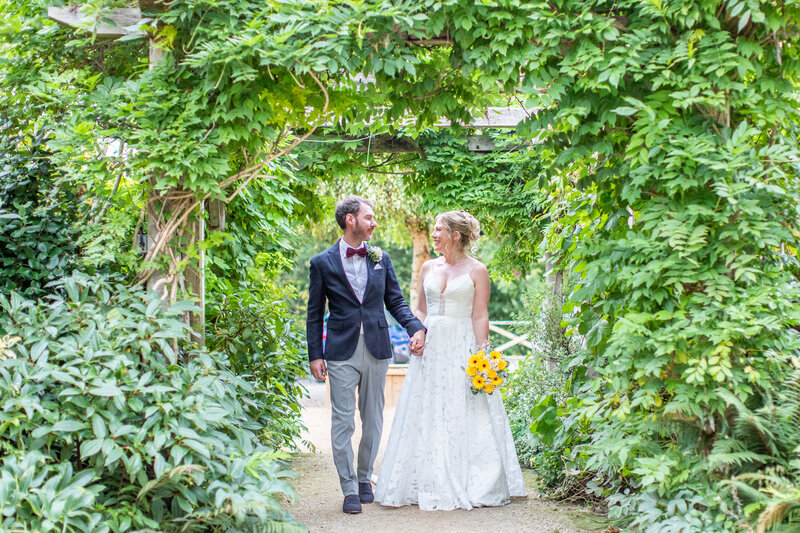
x: 465, y: 224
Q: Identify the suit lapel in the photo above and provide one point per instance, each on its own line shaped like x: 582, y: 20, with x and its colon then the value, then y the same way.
x: 370, y: 274
x: 335, y: 260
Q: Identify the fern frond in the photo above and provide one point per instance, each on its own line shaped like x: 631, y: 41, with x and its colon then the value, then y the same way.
x: 733, y: 452
x: 792, y: 392
x: 773, y: 515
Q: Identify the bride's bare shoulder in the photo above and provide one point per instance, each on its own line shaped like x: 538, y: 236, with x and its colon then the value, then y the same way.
x: 478, y: 270
x: 427, y: 266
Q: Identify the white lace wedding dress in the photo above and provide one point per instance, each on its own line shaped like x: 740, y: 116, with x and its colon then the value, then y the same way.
x: 448, y: 449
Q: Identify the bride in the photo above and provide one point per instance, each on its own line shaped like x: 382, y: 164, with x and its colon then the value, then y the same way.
x: 450, y: 449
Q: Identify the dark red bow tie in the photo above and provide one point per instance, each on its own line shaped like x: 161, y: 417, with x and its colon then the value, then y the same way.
x: 360, y: 252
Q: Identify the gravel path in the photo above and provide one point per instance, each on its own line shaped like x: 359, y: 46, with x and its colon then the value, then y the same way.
x: 319, y: 504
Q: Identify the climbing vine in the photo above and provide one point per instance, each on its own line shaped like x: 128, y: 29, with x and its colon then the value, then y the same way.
x: 666, y: 146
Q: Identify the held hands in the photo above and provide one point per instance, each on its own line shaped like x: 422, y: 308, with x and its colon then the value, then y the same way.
x: 318, y: 369
x: 417, y: 344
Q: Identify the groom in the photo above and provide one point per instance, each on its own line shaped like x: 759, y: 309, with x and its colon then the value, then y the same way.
x: 356, y: 281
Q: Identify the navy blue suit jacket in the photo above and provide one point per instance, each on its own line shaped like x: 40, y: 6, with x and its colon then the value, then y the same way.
x: 329, y: 284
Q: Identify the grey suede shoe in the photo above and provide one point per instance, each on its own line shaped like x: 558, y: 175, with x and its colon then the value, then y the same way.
x: 351, y: 504
x: 365, y: 493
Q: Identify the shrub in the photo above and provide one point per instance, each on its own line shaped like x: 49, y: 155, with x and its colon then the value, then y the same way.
x: 37, y: 217
x: 525, y: 386
x: 250, y: 323
x: 540, y: 399
x: 107, y: 424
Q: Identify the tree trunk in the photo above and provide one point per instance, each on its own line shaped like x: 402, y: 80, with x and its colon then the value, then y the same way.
x: 421, y: 252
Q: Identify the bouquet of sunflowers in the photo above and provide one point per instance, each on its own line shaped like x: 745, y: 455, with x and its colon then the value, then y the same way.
x: 486, y: 372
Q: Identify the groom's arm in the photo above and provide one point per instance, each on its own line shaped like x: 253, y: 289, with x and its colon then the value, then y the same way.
x: 315, y: 316
x: 396, y: 304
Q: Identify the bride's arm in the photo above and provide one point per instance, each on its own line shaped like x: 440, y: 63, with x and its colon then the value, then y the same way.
x: 422, y: 305
x: 480, y: 305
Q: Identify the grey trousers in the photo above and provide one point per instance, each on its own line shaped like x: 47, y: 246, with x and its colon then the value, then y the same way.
x: 367, y: 375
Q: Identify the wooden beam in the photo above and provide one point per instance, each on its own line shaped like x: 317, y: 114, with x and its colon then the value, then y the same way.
x: 495, y: 117
x: 152, y: 4
x: 489, y: 117
x: 438, y: 40
x: 515, y: 339
x: 119, y: 23
x: 388, y: 144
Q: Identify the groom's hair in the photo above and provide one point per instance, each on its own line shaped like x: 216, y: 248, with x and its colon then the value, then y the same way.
x: 349, y: 205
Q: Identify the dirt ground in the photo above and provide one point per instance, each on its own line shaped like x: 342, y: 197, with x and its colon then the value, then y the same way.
x: 319, y: 504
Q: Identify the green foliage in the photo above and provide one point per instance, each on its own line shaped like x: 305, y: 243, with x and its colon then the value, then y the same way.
x: 543, y: 410
x: 37, y: 217
x: 108, y: 424
x: 765, y: 445
x: 263, y: 219
x: 249, y: 321
x: 669, y: 156
x: 493, y: 186
x: 673, y: 132
x: 410, y: 189
x: 248, y: 317
x: 526, y: 384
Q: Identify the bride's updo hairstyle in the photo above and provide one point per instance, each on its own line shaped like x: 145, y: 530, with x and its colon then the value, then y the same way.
x: 465, y: 224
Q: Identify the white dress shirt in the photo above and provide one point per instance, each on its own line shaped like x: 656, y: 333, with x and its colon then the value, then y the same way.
x: 355, y: 268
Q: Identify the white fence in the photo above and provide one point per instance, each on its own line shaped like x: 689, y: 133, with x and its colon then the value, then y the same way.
x: 500, y: 327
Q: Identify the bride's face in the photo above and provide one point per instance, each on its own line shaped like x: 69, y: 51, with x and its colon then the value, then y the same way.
x: 442, y: 238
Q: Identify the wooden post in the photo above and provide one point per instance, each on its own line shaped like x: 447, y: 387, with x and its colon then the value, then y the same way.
x: 191, y: 233
x: 553, y: 308
x: 216, y: 215
x: 196, y: 279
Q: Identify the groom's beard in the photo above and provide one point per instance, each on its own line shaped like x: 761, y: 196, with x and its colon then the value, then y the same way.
x: 361, y: 232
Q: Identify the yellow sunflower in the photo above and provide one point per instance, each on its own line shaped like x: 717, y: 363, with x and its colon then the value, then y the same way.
x: 471, y: 370
x: 478, y: 382
x: 483, y: 365
x: 496, y: 381
x: 494, y: 354
x: 491, y: 374
x: 489, y: 388
x: 481, y: 354
x: 473, y: 360
x: 501, y: 364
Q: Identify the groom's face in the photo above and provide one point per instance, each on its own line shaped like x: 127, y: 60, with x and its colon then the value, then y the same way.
x: 364, y: 223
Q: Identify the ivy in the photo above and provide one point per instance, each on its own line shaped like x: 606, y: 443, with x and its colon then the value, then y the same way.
x: 667, y: 151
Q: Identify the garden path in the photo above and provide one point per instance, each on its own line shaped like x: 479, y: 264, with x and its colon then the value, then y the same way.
x: 319, y: 499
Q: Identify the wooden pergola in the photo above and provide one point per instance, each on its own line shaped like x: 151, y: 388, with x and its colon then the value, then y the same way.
x: 126, y: 23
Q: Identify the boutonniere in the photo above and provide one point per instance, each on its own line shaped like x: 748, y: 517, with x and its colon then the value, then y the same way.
x: 374, y: 253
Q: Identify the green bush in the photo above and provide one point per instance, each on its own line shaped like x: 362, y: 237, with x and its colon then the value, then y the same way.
x: 37, y: 217
x: 250, y: 322
x: 540, y: 398
x: 109, y: 424
x: 525, y: 386
x: 547, y: 426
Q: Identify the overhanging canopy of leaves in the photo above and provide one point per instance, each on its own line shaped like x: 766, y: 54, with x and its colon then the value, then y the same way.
x: 669, y: 134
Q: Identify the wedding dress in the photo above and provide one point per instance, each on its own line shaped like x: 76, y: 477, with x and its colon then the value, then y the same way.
x: 448, y: 449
